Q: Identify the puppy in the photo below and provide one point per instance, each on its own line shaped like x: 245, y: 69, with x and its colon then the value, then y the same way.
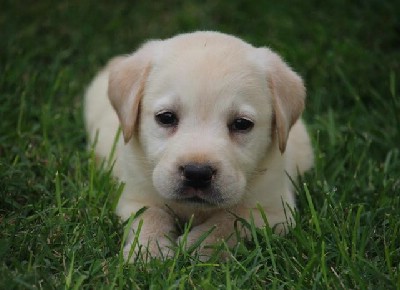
x: 210, y: 131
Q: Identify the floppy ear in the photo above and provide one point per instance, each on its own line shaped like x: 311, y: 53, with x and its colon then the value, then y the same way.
x: 126, y: 84
x: 288, y: 96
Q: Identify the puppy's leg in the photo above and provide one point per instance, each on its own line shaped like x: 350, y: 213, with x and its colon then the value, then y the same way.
x: 157, y: 230
x: 223, y: 223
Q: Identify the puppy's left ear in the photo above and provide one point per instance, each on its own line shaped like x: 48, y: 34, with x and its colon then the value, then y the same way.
x: 288, y: 95
x: 126, y: 84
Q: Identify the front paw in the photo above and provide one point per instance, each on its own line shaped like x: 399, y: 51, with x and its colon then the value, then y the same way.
x: 161, y: 248
x: 204, y: 244
x: 150, y: 235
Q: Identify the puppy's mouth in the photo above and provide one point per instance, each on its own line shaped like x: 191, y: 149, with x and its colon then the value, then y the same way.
x: 205, y: 197
x: 195, y: 200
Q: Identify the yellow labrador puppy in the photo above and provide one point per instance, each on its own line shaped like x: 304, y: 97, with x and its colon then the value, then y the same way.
x: 210, y: 129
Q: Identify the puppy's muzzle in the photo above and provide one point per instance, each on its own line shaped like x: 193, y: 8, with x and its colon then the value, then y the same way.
x: 198, y: 185
x: 197, y: 175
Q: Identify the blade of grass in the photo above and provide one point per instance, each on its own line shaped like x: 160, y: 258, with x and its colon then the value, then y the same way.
x: 314, y: 215
x: 58, y: 192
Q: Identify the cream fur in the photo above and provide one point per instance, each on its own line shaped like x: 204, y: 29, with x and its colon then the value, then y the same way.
x: 207, y: 79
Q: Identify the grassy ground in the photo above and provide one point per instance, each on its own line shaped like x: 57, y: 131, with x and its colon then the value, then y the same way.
x: 57, y: 228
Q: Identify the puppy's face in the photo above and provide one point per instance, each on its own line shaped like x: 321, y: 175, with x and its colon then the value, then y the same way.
x: 205, y: 122
x: 206, y: 112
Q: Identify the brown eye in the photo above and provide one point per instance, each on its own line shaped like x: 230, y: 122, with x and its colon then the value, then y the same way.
x: 166, y: 119
x: 241, y: 125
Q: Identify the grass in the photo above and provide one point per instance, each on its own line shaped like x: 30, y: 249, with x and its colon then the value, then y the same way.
x: 57, y: 227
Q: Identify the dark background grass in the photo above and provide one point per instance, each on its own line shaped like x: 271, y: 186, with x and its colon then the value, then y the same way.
x: 348, y: 53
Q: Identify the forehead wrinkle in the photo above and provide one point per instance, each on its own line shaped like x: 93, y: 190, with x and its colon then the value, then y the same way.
x: 208, y: 83
x: 230, y: 94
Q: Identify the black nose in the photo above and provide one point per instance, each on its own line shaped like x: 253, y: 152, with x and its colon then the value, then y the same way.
x: 197, y: 175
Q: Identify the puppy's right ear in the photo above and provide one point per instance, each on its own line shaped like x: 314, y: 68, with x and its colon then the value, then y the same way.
x: 126, y: 84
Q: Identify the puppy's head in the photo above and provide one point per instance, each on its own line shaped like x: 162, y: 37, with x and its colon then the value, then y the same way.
x: 206, y: 108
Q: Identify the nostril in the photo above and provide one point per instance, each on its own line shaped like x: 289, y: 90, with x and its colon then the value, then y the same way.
x: 197, y: 175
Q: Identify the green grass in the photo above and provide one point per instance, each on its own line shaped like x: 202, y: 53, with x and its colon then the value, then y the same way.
x: 57, y: 227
